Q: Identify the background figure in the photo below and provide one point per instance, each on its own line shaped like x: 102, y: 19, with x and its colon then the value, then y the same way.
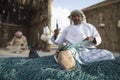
x: 18, y: 43
x: 45, y: 37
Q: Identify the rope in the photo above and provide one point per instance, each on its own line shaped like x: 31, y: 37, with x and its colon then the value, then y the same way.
x: 77, y: 46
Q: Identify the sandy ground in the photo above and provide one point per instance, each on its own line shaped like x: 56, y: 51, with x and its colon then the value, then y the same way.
x: 6, y: 54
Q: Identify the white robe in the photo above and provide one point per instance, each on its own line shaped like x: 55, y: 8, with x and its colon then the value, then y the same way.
x: 74, y: 34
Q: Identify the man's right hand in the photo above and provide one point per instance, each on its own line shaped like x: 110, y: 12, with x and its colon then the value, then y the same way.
x: 56, y: 32
x: 8, y: 44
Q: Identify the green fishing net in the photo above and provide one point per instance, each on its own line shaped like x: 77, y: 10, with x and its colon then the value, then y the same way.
x: 46, y: 68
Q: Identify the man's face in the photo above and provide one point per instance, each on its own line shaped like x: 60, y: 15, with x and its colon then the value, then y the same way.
x: 77, y: 18
x: 19, y: 36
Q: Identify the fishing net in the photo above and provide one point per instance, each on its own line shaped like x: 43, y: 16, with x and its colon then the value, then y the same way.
x: 46, y: 68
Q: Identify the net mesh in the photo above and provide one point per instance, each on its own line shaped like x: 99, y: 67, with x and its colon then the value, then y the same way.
x: 46, y: 68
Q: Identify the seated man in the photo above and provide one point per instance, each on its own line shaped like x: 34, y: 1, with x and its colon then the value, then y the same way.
x: 18, y: 43
x: 82, y: 39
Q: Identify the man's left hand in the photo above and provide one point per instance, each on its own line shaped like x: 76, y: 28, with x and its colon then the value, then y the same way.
x: 90, y: 39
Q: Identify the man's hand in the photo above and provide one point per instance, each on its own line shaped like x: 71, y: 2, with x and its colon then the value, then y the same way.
x: 90, y: 39
x: 56, y: 32
x: 9, y: 44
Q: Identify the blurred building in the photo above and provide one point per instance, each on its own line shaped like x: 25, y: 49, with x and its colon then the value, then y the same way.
x: 106, y: 17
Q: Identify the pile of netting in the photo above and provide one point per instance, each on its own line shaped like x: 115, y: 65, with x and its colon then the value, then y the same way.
x: 45, y: 68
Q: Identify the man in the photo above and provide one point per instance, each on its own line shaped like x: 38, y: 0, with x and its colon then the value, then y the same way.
x: 79, y: 33
x: 18, y: 43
